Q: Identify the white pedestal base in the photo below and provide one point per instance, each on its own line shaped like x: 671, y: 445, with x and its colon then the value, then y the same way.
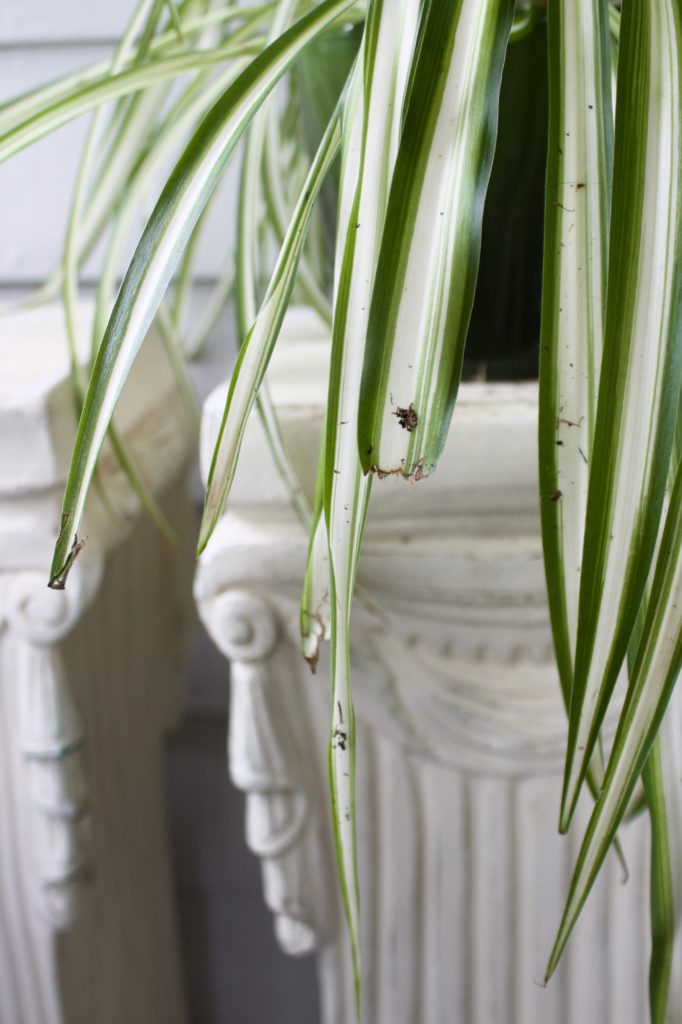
x: 461, y: 731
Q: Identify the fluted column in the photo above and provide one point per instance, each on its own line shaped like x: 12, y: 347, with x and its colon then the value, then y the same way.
x: 461, y: 729
x: 87, y: 930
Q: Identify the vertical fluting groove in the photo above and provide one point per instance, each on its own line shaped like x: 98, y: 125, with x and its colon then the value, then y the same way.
x: 586, y: 961
x: 490, y: 884
x: 419, y: 893
x: 615, y: 902
x: 606, y: 919
x: 444, y: 918
x: 511, y: 791
x: 567, y: 987
x: 517, y: 942
x: 644, y: 912
x: 469, y: 959
x: 370, y: 797
x: 400, y: 945
x: 10, y: 824
x: 432, y: 880
x: 23, y: 907
x: 562, y: 978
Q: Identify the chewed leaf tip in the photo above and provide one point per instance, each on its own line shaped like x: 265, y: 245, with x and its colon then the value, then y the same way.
x: 58, y: 580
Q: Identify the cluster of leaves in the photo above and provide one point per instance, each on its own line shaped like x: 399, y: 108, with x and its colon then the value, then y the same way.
x: 409, y: 100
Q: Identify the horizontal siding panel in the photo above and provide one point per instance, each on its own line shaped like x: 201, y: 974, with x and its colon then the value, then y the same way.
x: 59, y: 21
x: 35, y: 186
x: 26, y: 67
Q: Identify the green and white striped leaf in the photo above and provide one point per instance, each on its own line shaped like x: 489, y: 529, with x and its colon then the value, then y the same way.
x: 428, y: 263
x: 170, y: 225
x: 655, y: 671
x: 526, y: 20
x: 279, y: 215
x: 70, y: 261
x: 249, y: 245
x: 22, y: 108
x: 315, y: 609
x: 577, y: 208
x: 662, y: 775
x: 175, y: 18
x: 370, y: 144
x: 248, y: 241
x: 260, y: 341
x: 112, y: 87
x: 181, y: 119
x: 136, y: 135
x: 641, y: 369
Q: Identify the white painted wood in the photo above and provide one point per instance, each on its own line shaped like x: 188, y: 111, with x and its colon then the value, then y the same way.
x: 35, y: 192
x: 68, y: 21
x: 461, y: 729
x: 88, y: 685
x: 36, y: 184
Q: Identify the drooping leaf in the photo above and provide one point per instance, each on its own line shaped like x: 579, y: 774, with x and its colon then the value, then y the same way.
x: 655, y: 671
x: 181, y: 118
x: 70, y: 263
x: 168, y: 229
x: 428, y: 263
x: 249, y: 271
x: 22, y: 108
x: 577, y: 209
x: 370, y: 142
x: 641, y: 368
x: 662, y: 775
x: 315, y: 607
x: 273, y: 179
x: 259, y: 343
x: 109, y: 87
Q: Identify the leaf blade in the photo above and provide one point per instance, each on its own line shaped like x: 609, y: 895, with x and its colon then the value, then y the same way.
x: 158, y: 252
x: 371, y: 128
x: 641, y: 369
x: 577, y: 209
x: 655, y: 671
x: 428, y: 263
x: 259, y: 343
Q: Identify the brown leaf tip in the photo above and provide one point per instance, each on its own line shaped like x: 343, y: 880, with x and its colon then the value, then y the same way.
x: 58, y: 581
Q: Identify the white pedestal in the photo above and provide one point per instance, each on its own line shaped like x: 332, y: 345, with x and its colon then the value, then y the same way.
x: 89, y: 684
x: 461, y: 730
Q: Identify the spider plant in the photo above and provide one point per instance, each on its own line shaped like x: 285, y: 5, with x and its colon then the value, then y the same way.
x: 363, y: 190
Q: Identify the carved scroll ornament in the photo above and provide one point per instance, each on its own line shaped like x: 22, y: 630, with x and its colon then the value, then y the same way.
x: 51, y: 780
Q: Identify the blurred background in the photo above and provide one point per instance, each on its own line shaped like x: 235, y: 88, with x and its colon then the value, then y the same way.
x: 233, y: 967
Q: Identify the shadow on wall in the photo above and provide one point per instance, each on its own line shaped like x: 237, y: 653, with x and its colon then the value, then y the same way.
x: 235, y: 972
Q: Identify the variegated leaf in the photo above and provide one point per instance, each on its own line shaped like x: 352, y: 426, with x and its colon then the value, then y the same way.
x: 259, y: 343
x: 428, y: 263
x: 662, y: 777
x: 577, y: 208
x: 107, y: 88
x: 170, y: 225
x: 641, y: 368
x: 315, y: 609
x: 372, y: 124
x: 655, y: 671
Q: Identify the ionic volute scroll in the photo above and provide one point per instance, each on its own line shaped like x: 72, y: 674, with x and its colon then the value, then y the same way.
x: 265, y: 757
x: 52, y: 789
